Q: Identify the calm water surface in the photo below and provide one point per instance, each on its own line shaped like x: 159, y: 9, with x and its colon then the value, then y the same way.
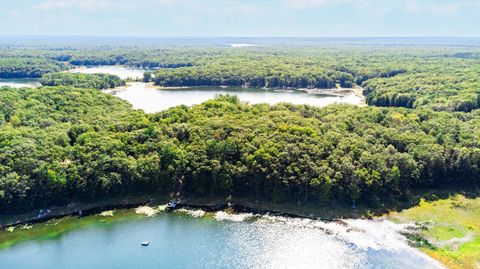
x: 152, y: 99
x: 180, y: 241
x: 20, y: 83
x: 122, y: 71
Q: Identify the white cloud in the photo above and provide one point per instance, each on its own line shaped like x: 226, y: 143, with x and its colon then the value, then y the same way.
x: 382, y: 7
x: 446, y: 8
x: 374, y: 8
x: 453, y: 7
x: 317, y: 3
x: 413, y: 7
x: 245, y: 9
x: 97, y: 4
x: 68, y: 4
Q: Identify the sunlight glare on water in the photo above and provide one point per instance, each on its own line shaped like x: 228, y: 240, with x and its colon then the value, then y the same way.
x: 120, y: 71
x: 151, y: 99
x: 20, y: 83
x: 223, y: 241
x: 276, y: 245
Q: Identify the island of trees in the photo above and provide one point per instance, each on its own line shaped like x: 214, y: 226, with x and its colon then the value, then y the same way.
x: 78, y: 80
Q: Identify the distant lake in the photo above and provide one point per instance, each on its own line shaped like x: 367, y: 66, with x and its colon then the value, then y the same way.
x: 122, y: 71
x: 219, y: 241
x: 20, y: 83
x: 152, y: 99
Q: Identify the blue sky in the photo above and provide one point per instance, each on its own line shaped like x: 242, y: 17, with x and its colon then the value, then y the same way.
x: 318, y: 18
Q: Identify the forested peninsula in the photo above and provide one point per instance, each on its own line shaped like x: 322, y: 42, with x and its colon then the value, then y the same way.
x: 62, y: 144
x: 71, y: 142
x: 417, y: 142
x: 26, y: 67
x: 93, y: 81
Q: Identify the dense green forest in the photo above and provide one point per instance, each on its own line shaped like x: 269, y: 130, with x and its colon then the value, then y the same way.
x: 78, y: 80
x: 29, y: 67
x: 440, y: 84
x: 251, y: 72
x: 61, y: 144
x: 147, y: 58
x: 442, y: 78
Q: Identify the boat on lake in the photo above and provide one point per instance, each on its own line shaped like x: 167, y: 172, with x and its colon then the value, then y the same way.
x: 172, y: 205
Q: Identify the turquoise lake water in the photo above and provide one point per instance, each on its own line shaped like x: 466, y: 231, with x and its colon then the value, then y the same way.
x: 180, y: 241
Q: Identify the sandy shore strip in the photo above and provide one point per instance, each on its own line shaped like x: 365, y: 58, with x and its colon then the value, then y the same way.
x: 150, y: 206
x: 359, y: 92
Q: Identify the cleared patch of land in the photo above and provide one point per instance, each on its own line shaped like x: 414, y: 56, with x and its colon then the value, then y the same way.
x: 448, y: 230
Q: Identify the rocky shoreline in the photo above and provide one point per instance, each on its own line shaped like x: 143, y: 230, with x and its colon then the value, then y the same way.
x: 206, y: 204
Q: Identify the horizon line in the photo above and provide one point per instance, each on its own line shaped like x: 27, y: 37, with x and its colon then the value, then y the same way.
x: 240, y: 36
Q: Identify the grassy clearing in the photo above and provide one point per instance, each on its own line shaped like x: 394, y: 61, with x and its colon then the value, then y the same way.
x: 451, y: 228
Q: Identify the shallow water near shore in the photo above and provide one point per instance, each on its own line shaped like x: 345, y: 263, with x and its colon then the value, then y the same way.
x: 124, y: 72
x: 20, y: 83
x: 191, y: 239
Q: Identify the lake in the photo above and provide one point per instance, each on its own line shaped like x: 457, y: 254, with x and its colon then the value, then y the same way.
x: 20, y: 83
x: 221, y: 240
x: 123, y: 72
x: 153, y: 99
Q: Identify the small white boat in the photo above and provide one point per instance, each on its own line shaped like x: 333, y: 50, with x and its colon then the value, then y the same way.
x: 172, y: 205
x: 145, y: 243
